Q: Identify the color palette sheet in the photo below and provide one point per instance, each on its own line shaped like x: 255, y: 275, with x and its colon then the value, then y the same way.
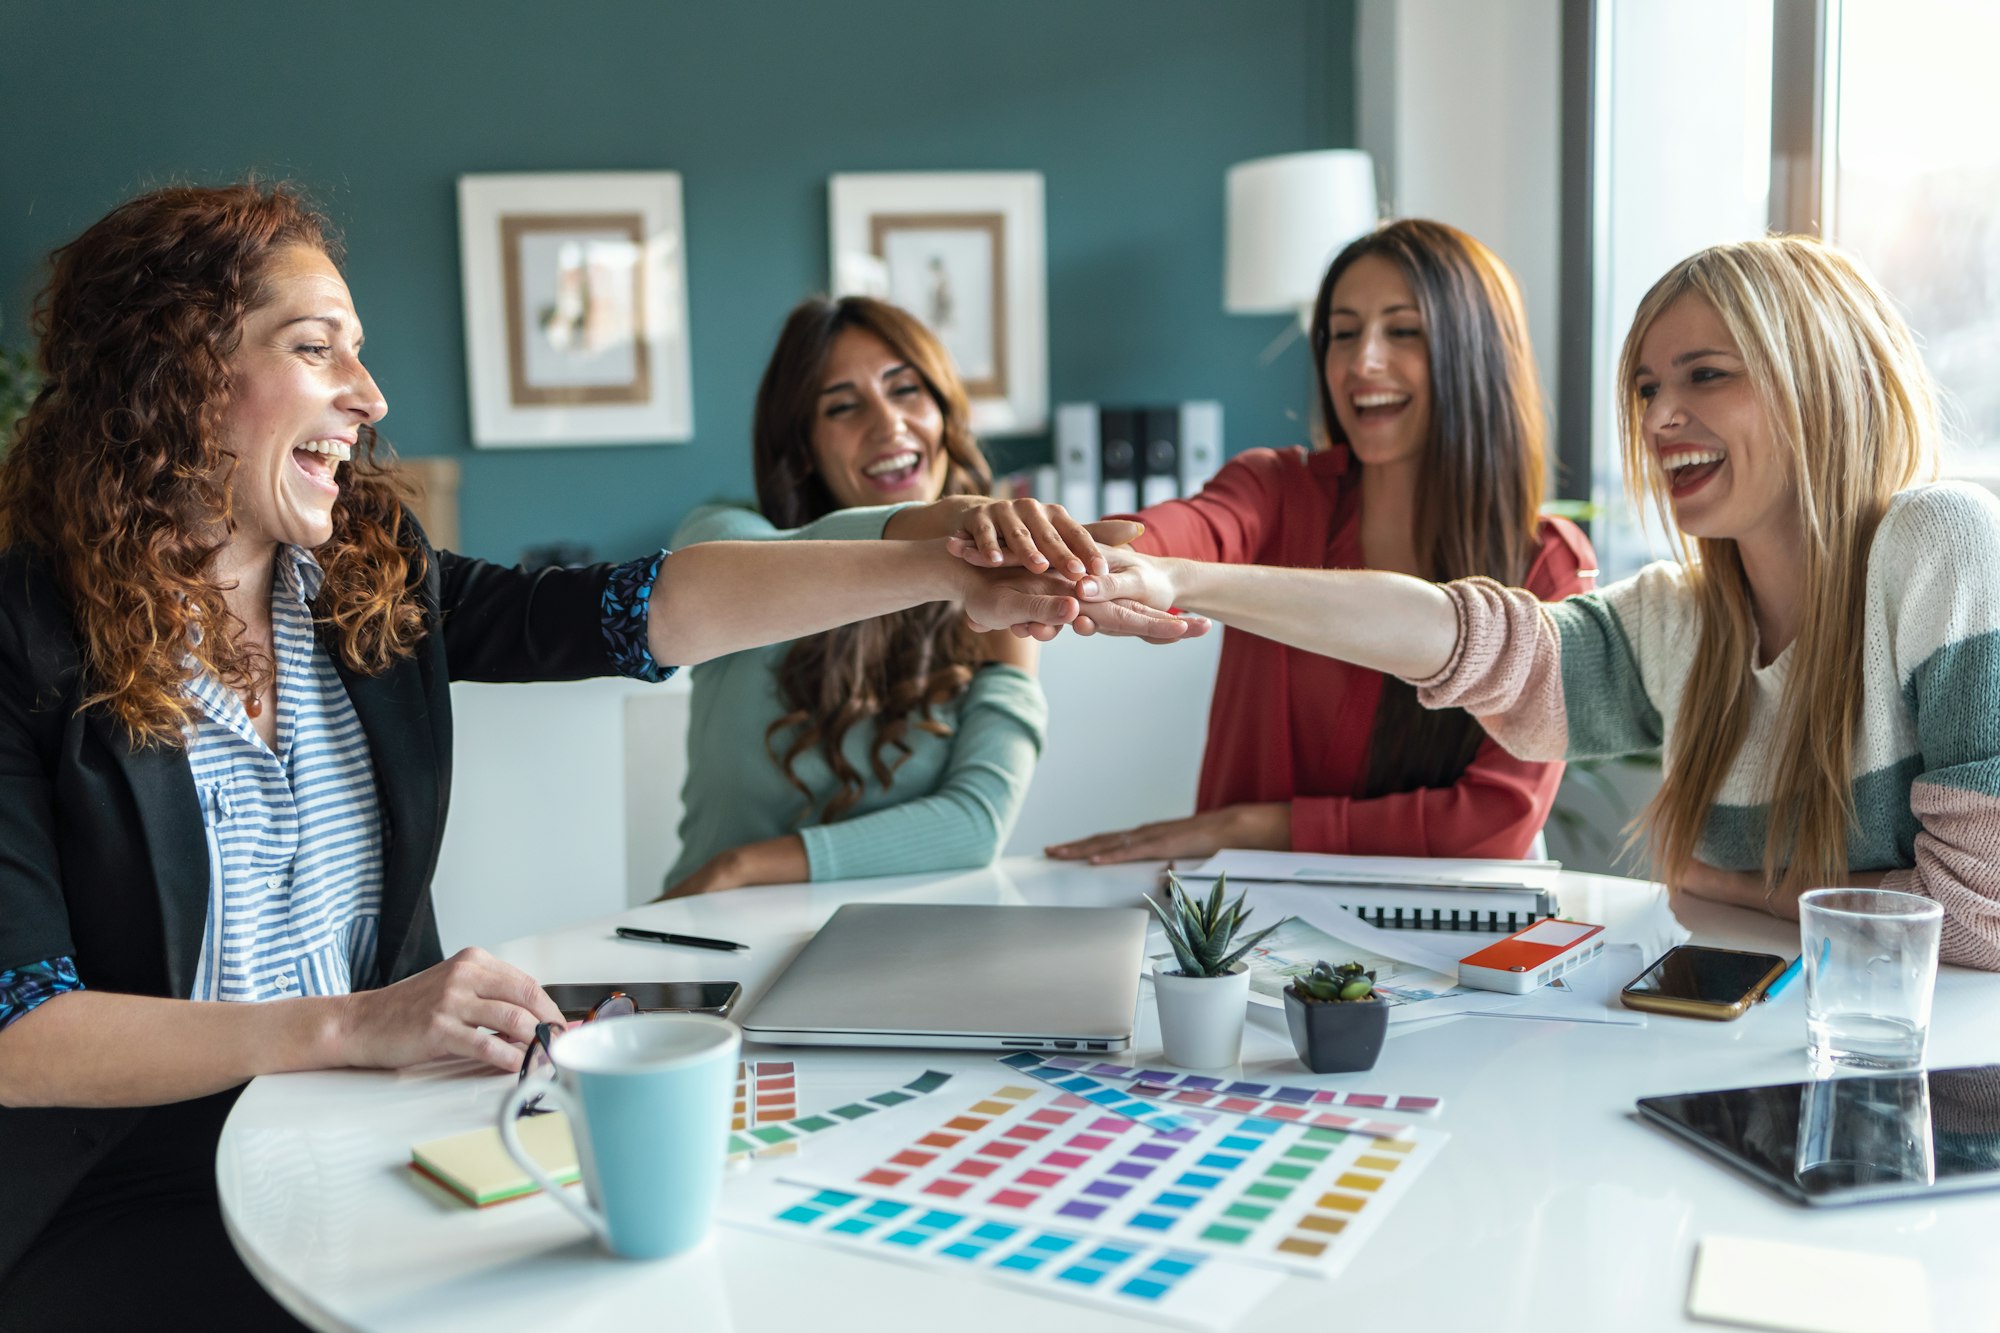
x: 1419, y: 1104
x: 1290, y: 1195
x: 1098, y: 1092
x: 1167, y: 1284
x: 1302, y: 1105
x: 1284, y: 1111
x: 781, y: 1137
x: 766, y: 1091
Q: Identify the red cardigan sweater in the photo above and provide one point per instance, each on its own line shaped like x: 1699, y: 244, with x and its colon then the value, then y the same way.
x: 1287, y: 725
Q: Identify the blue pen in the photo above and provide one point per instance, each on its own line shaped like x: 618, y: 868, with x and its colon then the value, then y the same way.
x: 1784, y: 979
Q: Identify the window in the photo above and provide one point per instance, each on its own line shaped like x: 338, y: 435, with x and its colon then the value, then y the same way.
x: 1684, y: 161
x: 1873, y: 122
x: 1916, y: 178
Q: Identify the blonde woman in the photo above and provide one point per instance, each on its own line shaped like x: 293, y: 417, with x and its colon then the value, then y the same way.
x: 1821, y: 668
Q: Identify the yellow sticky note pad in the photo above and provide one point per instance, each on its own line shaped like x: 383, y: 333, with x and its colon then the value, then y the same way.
x: 476, y: 1167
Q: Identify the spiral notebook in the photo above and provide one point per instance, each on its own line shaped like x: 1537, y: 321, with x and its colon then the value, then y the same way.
x: 1403, y: 892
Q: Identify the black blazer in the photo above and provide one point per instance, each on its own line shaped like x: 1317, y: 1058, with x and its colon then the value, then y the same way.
x: 103, y: 857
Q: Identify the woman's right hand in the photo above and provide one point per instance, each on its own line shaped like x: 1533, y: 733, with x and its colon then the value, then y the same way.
x: 1012, y: 534
x: 470, y: 1005
x: 1026, y: 532
x: 1045, y: 538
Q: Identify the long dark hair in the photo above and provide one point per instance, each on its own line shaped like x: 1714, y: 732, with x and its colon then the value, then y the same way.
x: 1481, y: 473
x: 893, y: 669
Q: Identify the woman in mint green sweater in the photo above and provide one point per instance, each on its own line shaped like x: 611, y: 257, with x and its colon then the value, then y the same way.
x: 894, y: 745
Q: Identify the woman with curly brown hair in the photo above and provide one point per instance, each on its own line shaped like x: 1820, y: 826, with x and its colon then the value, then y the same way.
x: 892, y: 745
x: 225, y: 732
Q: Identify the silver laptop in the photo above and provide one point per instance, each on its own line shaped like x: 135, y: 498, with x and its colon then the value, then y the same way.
x: 976, y: 978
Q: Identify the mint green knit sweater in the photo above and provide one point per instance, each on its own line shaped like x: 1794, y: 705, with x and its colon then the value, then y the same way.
x: 1602, y: 674
x: 952, y: 801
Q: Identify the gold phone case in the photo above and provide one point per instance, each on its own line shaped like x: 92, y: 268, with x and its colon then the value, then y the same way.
x: 1720, y: 1013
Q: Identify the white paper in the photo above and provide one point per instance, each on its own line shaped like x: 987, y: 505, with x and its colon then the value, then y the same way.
x: 1438, y: 952
x: 1411, y: 989
x: 1774, y: 1284
x: 1322, y: 868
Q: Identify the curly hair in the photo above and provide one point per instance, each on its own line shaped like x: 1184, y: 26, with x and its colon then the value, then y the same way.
x: 893, y: 669
x: 118, y: 474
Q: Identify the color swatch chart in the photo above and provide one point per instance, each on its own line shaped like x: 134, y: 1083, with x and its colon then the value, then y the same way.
x: 1132, y: 1100
x: 1163, y: 1283
x: 776, y: 1138
x: 1238, y: 1094
x: 1292, y: 1195
x: 766, y: 1091
x: 1099, y: 1093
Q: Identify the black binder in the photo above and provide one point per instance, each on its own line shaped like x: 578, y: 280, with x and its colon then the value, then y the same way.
x: 1118, y: 459
x: 1160, y: 460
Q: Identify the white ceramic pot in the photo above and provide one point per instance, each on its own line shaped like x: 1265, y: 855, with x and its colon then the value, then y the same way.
x: 1201, y: 1018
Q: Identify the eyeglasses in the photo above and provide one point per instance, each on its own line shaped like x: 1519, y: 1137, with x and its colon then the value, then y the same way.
x: 538, y: 1057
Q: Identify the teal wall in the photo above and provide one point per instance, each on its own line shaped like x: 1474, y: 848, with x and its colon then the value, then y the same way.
x: 1131, y: 108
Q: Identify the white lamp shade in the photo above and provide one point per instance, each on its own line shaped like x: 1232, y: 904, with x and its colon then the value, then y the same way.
x: 1288, y: 217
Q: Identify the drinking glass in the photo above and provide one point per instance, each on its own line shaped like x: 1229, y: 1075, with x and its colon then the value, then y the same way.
x: 1871, y: 959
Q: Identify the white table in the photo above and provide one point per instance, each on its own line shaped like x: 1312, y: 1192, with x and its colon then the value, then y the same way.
x: 1550, y: 1208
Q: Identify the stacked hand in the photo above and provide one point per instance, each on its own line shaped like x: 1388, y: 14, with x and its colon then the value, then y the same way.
x: 1035, y: 551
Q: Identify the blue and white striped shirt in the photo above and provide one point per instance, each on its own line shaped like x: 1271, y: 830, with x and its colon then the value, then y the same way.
x: 295, y: 833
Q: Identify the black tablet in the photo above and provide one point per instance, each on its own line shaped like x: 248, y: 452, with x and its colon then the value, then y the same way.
x: 1850, y: 1140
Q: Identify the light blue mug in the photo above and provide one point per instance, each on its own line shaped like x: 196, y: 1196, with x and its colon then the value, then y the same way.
x: 648, y: 1098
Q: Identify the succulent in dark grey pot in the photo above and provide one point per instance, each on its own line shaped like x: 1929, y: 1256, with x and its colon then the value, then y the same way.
x: 1338, y: 1023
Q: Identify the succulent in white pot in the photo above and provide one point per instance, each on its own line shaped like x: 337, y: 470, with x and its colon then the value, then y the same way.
x: 1202, y: 1001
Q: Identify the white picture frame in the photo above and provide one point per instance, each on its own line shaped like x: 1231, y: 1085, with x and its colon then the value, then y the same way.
x: 965, y: 252
x: 576, y: 327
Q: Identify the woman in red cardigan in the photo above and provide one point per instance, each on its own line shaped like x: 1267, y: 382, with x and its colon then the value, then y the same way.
x: 1434, y: 467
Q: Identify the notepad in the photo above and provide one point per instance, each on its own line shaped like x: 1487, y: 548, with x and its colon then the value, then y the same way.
x: 476, y: 1166
x: 1404, y: 891
x: 1773, y: 1284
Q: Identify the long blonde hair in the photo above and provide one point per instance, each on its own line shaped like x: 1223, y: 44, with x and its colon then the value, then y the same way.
x: 1852, y: 412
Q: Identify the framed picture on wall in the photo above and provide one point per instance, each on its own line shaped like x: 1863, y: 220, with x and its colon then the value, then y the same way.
x: 964, y: 252
x: 575, y: 308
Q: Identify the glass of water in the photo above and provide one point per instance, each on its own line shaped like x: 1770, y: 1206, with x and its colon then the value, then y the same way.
x: 1871, y: 958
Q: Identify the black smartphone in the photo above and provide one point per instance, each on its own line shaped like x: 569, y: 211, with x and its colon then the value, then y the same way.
x: 1696, y: 981
x: 692, y: 997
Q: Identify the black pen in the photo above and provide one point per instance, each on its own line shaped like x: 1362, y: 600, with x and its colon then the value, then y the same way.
x: 692, y: 941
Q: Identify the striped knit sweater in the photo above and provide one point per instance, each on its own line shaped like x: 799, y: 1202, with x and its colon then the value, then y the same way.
x: 1601, y: 674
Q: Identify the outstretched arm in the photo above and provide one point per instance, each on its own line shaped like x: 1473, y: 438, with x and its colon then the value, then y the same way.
x: 722, y: 597
x: 1385, y: 622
